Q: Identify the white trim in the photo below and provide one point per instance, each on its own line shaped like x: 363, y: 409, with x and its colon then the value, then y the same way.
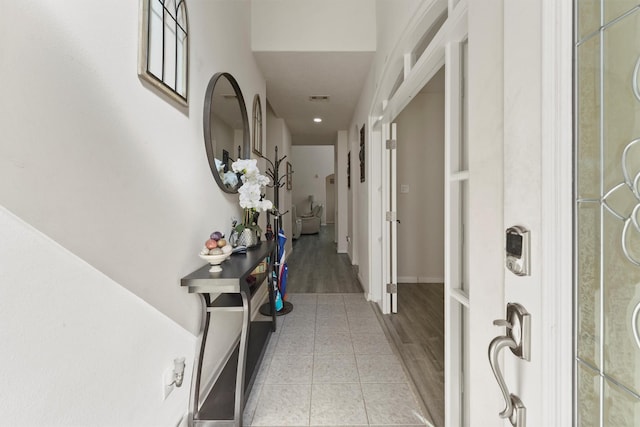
x: 393, y: 162
x: 460, y: 296
x: 382, y: 134
x: 426, y: 14
x: 459, y: 176
x: 557, y: 212
x: 425, y: 280
x: 454, y: 301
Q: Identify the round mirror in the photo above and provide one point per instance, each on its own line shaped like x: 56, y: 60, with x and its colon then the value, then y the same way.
x: 226, y: 129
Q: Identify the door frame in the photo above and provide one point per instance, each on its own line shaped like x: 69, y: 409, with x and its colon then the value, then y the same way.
x: 557, y: 211
x: 416, y: 74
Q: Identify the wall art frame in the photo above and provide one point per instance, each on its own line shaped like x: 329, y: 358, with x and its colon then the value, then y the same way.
x: 362, y: 154
x: 289, y: 176
x: 349, y: 169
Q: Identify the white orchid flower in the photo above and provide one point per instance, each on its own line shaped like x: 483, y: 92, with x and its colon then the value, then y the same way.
x: 251, y: 190
x: 231, y: 179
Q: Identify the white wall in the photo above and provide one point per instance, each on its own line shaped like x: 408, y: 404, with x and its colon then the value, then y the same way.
x: 314, y: 25
x: 101, y: 163
x: 311, y: 164
x: 365, y: 217
x: 342, y: 190
x: 278, y: 135
x: 330, y: 198
x: 360, y: 212
x: 391, y: 21
x: 359, y: 209
x: 78, y: 348
x: 117, y: 176
x: 420, y: 158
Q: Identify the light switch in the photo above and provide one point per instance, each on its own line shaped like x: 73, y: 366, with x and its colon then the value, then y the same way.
x: 404, y: 188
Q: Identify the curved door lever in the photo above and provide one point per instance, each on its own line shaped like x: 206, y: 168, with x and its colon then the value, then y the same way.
x: 518, y: 339
x: 497, y: 344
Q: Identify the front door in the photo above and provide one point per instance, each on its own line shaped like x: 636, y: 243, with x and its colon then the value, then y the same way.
x: 519, y: 105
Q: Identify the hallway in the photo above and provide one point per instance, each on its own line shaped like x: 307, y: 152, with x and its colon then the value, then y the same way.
x: 315, y: 267
x: 329, y: 362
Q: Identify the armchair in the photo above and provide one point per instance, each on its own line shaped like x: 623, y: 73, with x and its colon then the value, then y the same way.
x: 311, y: 221
x: 296, y: 223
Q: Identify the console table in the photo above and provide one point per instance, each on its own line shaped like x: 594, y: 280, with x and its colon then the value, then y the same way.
x: 224, y: 404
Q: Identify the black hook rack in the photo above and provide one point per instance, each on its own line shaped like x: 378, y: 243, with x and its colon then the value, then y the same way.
x: 273, y: 172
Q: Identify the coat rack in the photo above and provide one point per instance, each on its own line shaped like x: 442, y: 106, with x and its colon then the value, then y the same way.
x: 277, y: 182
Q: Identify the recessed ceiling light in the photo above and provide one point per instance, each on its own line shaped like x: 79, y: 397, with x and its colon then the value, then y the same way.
x: 317, y: 120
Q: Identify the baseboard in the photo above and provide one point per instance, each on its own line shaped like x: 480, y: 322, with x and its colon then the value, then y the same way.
x: 361, y: 281
x: 420, y: 279
x: 430, y: 280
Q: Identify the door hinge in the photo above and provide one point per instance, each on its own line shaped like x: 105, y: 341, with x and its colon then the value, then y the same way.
x: 391, y: 216
x: 392, y: 288
x: 391, y: 144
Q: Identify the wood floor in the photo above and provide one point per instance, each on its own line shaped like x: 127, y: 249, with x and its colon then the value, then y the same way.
x: 417, y: 330
x: 316, y: 267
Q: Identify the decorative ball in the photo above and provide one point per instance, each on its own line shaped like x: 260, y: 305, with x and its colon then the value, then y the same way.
x: 216, y: 235
x: 215, y: 251
x: 222, y: 243
x: 226, y: 249
x: 210, y: 244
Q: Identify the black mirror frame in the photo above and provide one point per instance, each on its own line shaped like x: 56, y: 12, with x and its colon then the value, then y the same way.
x: 206, y: 121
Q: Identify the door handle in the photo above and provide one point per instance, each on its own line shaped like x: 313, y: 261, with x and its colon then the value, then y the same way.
x: 518, y: 339
x: 497, y: 344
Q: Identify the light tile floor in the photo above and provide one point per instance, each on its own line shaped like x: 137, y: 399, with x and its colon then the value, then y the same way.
x: 330, y: 364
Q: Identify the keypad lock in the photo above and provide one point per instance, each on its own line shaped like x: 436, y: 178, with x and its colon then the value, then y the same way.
x: 517, y: 250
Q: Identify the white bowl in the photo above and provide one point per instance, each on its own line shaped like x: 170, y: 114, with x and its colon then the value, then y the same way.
x: 215, y: 261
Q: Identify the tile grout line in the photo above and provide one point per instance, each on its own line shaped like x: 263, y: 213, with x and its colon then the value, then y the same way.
x: 313, y: 359
x: 332, y: 336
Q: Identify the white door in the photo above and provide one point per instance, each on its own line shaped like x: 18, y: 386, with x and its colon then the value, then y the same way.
x: 519, y: 107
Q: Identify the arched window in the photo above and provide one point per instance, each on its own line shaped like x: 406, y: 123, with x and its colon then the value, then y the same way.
x: 164, y: 47
x: 257, y: 125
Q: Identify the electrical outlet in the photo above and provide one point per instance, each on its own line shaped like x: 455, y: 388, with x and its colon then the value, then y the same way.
x: 167, y: 383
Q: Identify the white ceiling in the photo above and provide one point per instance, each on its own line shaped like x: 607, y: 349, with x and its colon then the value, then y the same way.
x: 292, y: 77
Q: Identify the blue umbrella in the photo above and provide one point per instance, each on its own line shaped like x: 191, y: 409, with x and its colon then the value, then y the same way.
x: 278, y: 302
x: 283, y: 281
x: 282, y: 274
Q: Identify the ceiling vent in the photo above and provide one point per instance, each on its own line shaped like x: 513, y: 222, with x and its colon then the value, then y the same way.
x: 319, y: 98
